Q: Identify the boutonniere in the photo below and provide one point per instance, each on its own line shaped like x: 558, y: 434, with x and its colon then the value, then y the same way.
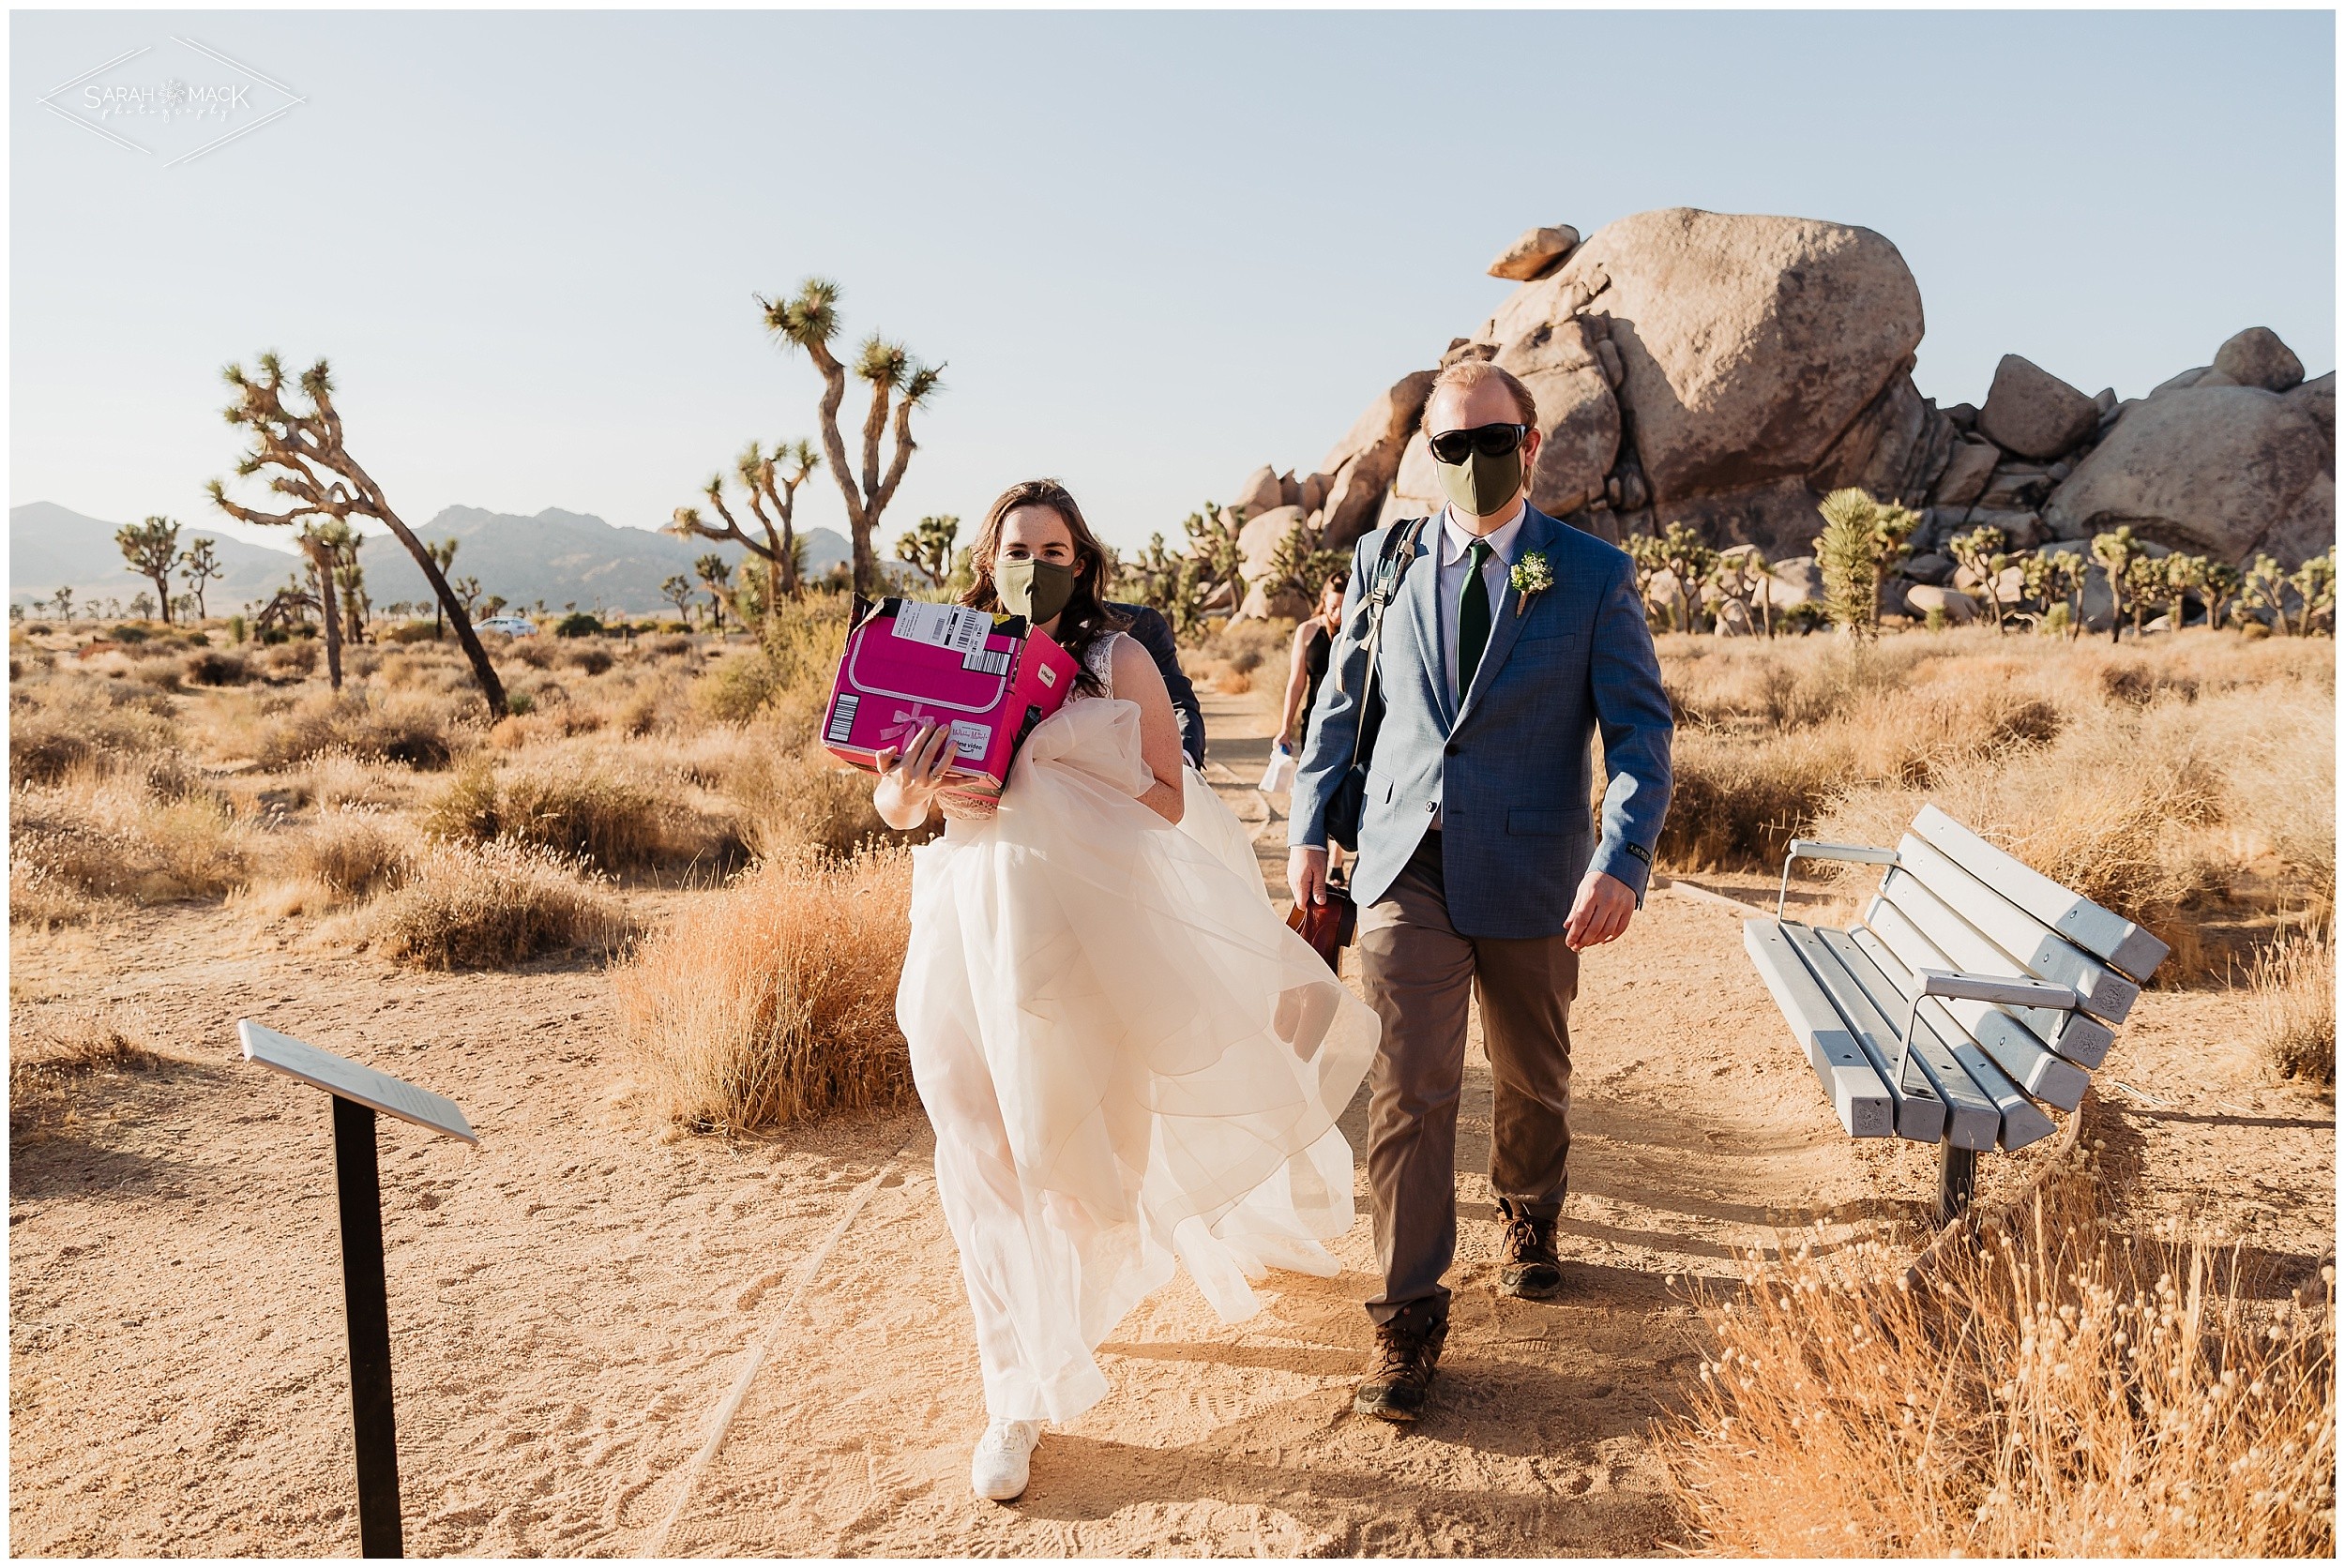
x: 1531, y: 578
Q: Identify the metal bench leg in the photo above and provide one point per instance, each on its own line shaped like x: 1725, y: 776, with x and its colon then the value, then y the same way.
x: 1957, y: 1178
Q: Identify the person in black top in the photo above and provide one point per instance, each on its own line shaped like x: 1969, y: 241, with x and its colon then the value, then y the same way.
x: 1148, y: 628
x: 1308, y: 665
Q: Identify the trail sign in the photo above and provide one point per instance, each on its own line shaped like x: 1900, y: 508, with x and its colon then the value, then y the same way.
x: 359, y: 1091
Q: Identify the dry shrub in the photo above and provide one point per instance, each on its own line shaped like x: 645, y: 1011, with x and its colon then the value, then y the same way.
x: 342, y: 778
x: 292, y: 660
x: 213, y: 666
x: 98, y: 837
x: 53, y: 1071
x: 800, y: 798
x: 2292, y: 986
x: 776, y: 999
x: 409, y: 728
x: 584, y: 808
x: 490, y: 905
x: 354, y: 852
x: 538, y: 652
x: 2063, y: 1389
x: 74, y: 722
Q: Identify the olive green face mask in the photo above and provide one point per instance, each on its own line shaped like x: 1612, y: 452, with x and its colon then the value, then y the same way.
x: 1483, y: 483
x: 1037, y: 590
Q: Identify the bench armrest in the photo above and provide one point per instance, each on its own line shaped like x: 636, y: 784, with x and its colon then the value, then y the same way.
x: 1815, y: 849
x: 1980, y: 987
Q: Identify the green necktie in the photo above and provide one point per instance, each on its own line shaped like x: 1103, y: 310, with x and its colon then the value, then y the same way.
x: 1474, y: 619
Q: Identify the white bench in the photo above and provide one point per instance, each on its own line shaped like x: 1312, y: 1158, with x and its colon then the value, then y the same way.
x: 1974, y: 990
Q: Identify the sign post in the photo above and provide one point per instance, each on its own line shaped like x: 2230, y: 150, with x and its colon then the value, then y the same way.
x: 358, y: 1093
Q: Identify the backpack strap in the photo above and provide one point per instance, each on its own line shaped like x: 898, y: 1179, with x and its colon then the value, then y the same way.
x: 1392, y: 565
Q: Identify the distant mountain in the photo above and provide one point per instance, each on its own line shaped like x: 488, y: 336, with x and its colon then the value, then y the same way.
x: 560, y: 557
x: 51, y: 548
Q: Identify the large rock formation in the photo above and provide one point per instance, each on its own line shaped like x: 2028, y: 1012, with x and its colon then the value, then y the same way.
x: 2226, y: 471
x: 1726, y: 372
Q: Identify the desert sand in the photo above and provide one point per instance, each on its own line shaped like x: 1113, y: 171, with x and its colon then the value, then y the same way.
x: 610, y: 1341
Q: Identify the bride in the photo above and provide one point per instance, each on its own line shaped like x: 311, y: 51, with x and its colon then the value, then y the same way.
x: 1126, y: 1058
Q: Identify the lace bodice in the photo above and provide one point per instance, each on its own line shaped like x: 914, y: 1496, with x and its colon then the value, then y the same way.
x: 1100, y: 661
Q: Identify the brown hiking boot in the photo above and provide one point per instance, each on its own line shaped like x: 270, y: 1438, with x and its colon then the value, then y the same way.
x: 1406, y: 1348
x: 1527, y: 1265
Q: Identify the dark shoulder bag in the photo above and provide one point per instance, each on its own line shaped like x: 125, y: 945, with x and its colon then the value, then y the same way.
x: 1349, y: 803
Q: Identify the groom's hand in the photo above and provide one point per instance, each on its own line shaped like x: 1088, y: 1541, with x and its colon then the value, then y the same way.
x: 1306, y: 875
x: 1598, y: 914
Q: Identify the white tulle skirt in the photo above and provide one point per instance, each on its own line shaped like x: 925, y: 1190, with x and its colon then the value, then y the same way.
x: 1127, y: 1059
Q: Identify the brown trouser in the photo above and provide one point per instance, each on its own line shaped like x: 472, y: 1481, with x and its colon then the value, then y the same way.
x: 1417, y: 970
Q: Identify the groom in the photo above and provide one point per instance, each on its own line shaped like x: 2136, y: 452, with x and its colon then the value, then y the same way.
x: 1512, y: 638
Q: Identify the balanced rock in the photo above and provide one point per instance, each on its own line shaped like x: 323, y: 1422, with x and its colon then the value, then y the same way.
x: 2257, y: 357
x: 1261, y: 492
x: 1536, y: 252
x: 2033, y: 413
x: 2224, y: 471
x: 1747, y: 345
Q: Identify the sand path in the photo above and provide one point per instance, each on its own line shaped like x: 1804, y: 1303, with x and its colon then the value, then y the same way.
x: 572, y: 1302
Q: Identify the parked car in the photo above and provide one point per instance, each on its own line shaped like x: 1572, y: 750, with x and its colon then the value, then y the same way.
x: 511, y: 626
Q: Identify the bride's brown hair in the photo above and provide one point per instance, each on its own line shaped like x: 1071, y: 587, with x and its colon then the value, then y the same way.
x: 1086, y: 618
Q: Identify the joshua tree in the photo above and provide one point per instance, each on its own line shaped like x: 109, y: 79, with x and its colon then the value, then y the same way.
x: 1742, y: 575
x: 1689, y: 561
x: 494, y: 604
x: 1298, y: 566
x: 2222, y: 586
x: 63, y: 600
x: 152, y: 548
x: 197, y: 566
x: 2145, y: 579
x: 716, y: 577
x: 444, y: 552
x: 771, y: 480
x: 2315, y: 583
x: 928, y: 548
x: 678, y: 591
x: 318, y: 548
x: 2184, y: 574
x: 2057, y: 578
x: 141, y: 605
x: 350, y: 578
x: 1860, y: 537
x: 1213, y: 541
x: 1644, y: 565
x: 811, y: 321
x: 1982, y: 551
x: 2115, y: 553
x: 315, y: 471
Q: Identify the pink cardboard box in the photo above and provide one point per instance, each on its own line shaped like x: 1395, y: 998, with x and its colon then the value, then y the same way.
x: 988, y: 677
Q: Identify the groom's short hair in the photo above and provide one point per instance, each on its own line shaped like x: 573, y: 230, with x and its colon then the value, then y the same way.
x: 1467, y: 375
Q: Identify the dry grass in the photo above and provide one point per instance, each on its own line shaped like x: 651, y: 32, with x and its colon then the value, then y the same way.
x: 356, y: 852
x: 490, y: 905
x: 418, y: 729
x: 2292, y: 988
x: 2064, y: 1390
x: 53, y: 1071
x: 585, y: 805
x: 142, y: 834
x: 2165, y: 780
x: 59, y: 724
x: 774, y: 1001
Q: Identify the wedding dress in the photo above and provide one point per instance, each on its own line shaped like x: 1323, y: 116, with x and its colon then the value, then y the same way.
x: 1126, y: 1057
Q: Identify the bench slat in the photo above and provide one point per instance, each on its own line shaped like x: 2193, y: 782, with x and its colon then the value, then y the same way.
x: 1855, y: 1090
x: 1918, y: 1112
x: 2006, y: 1041
x: 2078, y: 1036
x: 2099, y: 932
x: 1935, y: 1094
x: 2040, y: 950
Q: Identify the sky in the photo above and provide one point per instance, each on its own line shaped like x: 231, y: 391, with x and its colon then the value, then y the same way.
x: 1154, y: 250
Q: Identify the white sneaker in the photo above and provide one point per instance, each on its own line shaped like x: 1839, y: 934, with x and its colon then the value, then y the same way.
x: 998, y: 1469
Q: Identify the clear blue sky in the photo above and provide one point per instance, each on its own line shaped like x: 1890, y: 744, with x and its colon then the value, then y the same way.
x: 1156, y: 250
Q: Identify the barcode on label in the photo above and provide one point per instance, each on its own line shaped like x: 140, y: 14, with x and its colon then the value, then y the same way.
x: 842, y: 718
x: 944, y: 625
x: 987, y: 661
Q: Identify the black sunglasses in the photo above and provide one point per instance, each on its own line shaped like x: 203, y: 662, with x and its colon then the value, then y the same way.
x: 1492, y: 441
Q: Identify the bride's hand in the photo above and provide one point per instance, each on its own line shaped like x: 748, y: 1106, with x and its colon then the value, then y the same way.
x: 909, y: 780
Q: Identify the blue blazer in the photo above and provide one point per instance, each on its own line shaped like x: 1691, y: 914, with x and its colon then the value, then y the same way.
x: 1508, y: 769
